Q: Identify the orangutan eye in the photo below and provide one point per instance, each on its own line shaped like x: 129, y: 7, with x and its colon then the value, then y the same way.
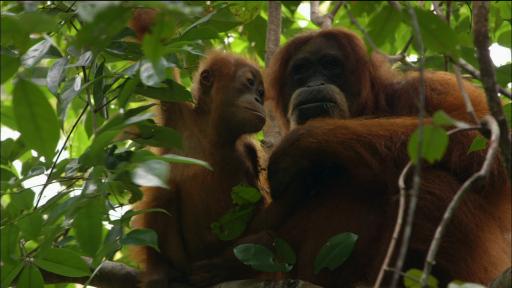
x: 250, y: 81
x: 330, y: 65
x: 262, y: 93
x: 302, y: 70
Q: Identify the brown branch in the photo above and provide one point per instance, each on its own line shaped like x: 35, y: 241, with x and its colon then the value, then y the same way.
x: 465, y: 96
x: 487, y: 122
x: 393, y: 59
x: 504, y: 280
x: 417, y: 173
x: 481, y: 41
x: 325, y: 21
x: 271, y: 130
x: 398, y: 225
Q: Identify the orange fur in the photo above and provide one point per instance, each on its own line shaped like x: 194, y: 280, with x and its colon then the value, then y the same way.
x: 362, y: 159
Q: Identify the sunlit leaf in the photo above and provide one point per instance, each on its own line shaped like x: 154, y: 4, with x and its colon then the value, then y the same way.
x: 244, y: 194
x: 31, y: 277
x: 63, y: 262
x: 10, y: 66
x: 55, y: 75
x: 415, y: 273
x: 88, y: 225
x: 478, y: 143
x: 143, y: 236
x: 31, y: 225
x: 435, y: 142
x: 152, y: 173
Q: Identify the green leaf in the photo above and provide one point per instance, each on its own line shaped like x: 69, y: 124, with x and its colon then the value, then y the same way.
x: 10, y: 271
x: 176, y: 93
x: 383, y: 25
x: 504, y: 7
x: 256, y: 31
x: 23, y: 200
x: 63, y: 262
x: 409, y: 283
x: 244, y: 194
x: 504, y: 74
x: 285, y: 251
x: 505, y: 38
x: 260, y: 258
x: 31, y: 277
x: 56, y: 74
x: 85, y: 60
x: 31, y: 225
x: 200, y: 33
x: 145, y: 155
x: 335, y: 252
x: 95, y: 153
x: 127, y: 217
x: 437, y: 35
x: 158, y: 136
x: 246, y: 11
x: 153, y: 173
x: 435, y: 142
x: 478, y: 143
x: 36, y: 119
x: 152, y: 43
x: 127, y: 92
x: 97, y: 91
x: 507, y: 108
x: 152, y: 74
x: 443, y: 119
x: 233, y: 223
x: 35, y: 54
x: 223, y: 20
x: 35, y: 22
x: 10, y: 66
x: 10, y: 245
x: 139, y: 237
x: 460, y: 284
x: 88, y: 225
x: 38, y: 76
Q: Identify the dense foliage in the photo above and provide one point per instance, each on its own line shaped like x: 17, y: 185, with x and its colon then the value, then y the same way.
x: 78, y: 89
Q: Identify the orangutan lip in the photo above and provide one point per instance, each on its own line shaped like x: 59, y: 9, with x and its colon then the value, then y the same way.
x: 312, y: 105
x: 256, y: 112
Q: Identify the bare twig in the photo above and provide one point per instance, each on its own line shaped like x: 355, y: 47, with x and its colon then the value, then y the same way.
x: 481, y: 41
x: 89, y: 101
x: 438, y: 10
x: 58, y: 155
x: 447, y: 16
x: 467, y: 101
x: 395, y: 4
x: 504, y: 280
x: 398, y: 225
x: 417, y: 173
x: 271, y: 130
x: 393, y: 59
x: 325, y: 21
x: 489, y: 122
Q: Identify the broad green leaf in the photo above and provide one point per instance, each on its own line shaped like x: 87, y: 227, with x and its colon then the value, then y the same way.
x: 95, y: 153
x: 104, y: 252
x: 504, y: 74
x: 10, y: 245
x: 245, y: 11
x: 36, y: 119
x: 152, y: 74
x: 198, y: 22
x: 409, y: 283
x: 223, y: 20
x: 335, y: 252
x: 10, y: 271
x: 158, y: 136
x: 139, y: 237
x: 200, y: 33
x: 152, y: 43
x: 460, y: 284
x: 35, y: 54
x: 507, y: 108
x: 505, y: 38
x: 88, y: 225
x: 136, y: 111
x: 233, y: 223
x: 145, y: 155
x: 244, y: 194
x: 152, y: 173
x: 435, y: 142
x: 127, y: 217
x: 10, y: 66
x: 126, y: 92
x: 34, y: 172
x: 285, y: 251
x: 176, y: 93
x: 23, y: 200
x: 382, y: 25
x: 256, y: 31
x: 260, y: 258
x: 63, y: 262
x: 31, y: 225
x: 31, y: 277
x: 504, y: 7
x: 437, y: 35
x: 85, y: 60
x: 478, y: 143
x: 97, y: 91
x: 35, y: 22
x: 55, y: 75
x: 38, y: 76
x: 443, y: 119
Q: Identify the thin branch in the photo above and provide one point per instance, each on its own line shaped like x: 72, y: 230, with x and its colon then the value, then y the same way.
x: 447, y: 16
x: 481, y: 41
x: 476, y: 74
x: 396, y: 58
x: 89, y: 101
x: 325, y: 21
x: 488, y: 122
x: 58, y: 155
x: 465, y: 96
x: 396, y: 5
x: 438, y: 10
x: 398, y: 225
x: 417, y: 173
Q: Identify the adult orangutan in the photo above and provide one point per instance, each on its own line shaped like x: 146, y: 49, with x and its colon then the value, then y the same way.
x: 339, y: 173
x: 229, y: 93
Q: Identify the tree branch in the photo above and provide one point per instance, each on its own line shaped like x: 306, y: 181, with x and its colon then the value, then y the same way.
x: 481, y: 41
x: 271, y: 129
x: 325, y: 21
x: 489, y: 122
